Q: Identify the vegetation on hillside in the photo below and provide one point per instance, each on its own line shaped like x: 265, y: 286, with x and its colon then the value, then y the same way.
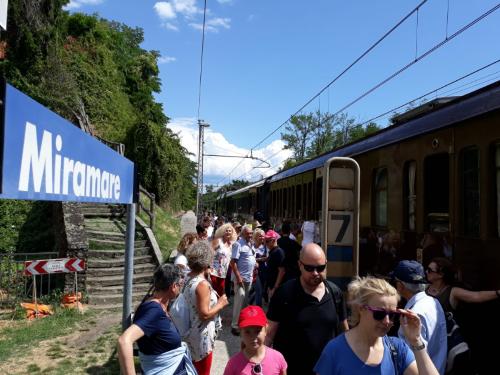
x: 94, y: 73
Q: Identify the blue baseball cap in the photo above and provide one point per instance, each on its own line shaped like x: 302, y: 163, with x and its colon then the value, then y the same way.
x: 409, y: 271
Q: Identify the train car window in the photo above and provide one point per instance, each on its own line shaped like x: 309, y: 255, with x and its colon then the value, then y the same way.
x: 469, y: 169
x: 410, y: 197
x: 380, y: 189
x: 310, y: 197
x: 497, y: 185
x: 318, y: 197
x: 298, y: 198
x: 437, y: 192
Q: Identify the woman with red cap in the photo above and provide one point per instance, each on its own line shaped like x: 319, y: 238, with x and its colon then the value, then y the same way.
x: 255, y: 358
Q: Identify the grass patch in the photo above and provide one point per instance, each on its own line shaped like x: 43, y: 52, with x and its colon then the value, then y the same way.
x: 27, y: 334
x: 167, y: 229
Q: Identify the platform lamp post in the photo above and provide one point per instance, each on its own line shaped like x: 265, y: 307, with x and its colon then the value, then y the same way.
x: 199, y: 185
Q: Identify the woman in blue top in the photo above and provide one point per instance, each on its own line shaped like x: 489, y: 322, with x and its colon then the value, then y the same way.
x: 159, y: 342
x: 365, y: 349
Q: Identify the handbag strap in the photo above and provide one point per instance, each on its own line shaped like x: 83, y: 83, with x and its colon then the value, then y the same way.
x: 394, y: 353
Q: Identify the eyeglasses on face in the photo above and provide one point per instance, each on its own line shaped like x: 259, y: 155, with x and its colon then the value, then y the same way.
x: 380, y: 313
x: 257, y: 369
x: 310, y: 268
x: 430, y: 270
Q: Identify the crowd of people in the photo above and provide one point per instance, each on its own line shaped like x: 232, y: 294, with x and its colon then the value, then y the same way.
x: 290, y: 318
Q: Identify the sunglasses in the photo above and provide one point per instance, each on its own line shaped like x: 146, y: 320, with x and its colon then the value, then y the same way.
x: 380, y: 314
x: 310, y: 268
x: 257, y: 369
x: 430, y: 270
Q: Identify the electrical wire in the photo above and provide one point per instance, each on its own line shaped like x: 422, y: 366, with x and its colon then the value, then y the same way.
x: 391, y: 111
x: 359, y: 58
x: 201, y: 57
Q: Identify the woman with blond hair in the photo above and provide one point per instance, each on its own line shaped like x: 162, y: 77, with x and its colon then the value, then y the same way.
x: 366, y: 348
x: 223, y: 240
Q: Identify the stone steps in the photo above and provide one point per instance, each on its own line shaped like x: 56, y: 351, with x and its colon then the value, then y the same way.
x: 117, y: 262
x: 98, y: 281
x: 119, y: 271
x: 106, y: 226
x: 97, y: 244
x: 105, y: 234
x: 116, y: 289
x: 114, y: 299
x: 116, y: 253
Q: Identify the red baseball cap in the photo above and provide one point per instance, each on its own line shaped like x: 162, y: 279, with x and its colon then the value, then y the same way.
x: 252, y: 316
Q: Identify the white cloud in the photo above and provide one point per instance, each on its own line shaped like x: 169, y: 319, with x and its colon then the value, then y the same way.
x: 75, y: 4
x: 166, y: 59
x: 170, y: 26
x: 165, y: 10
x: 216, y: 143
x: 187, y: 8
x: 213, y: 24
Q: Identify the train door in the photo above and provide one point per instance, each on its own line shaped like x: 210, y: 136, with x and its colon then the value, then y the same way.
x: 340, y: 219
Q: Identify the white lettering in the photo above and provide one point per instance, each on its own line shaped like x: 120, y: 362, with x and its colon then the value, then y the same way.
x: 39, y: 163
x: 105, y: 184
x: 79, y: 179
x: 117, y: 187
x: 93, y: 182
x: 36, y: 164
x: 68, y: 168
x: 57, y: 166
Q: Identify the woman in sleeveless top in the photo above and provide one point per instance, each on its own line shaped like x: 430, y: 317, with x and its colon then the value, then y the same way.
x: 223, y: 241
x: 204, y: 307
x: 441, y: 276
x: 159, y: 342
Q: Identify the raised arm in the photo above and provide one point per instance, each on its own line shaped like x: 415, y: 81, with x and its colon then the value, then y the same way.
x: 464, y: 295
x: 205, y: 312
x: 423, y: 365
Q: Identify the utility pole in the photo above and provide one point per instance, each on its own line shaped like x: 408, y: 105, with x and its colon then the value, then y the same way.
x: 199, y: 185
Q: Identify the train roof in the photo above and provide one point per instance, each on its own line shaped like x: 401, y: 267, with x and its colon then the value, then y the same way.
x: 443, y: 113
x: 242, y: 190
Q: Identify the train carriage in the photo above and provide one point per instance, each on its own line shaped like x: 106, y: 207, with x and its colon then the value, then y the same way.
x: 436, y: 170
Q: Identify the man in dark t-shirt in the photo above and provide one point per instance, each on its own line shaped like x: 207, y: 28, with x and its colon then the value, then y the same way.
x: 305, y: 313
x: 292, y: 250
x: 275, y: 266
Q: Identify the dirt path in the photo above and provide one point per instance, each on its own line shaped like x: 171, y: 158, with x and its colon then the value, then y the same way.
x: 90, y: 349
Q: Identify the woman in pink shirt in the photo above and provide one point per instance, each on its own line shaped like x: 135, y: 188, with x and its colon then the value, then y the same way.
x: 255, y: 358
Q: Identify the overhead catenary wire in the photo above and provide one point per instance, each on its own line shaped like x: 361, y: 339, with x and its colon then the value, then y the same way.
x: 359, y: 58
x: 393, y: 110
x: 380, y: 84
x: 201, y: 57
x: 422, y: 56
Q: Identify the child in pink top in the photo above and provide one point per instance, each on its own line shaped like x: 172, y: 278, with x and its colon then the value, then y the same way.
x: 255, y: 358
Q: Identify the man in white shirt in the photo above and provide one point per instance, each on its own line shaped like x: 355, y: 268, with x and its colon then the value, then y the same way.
x: 242, y: 265
x: 410, y: 281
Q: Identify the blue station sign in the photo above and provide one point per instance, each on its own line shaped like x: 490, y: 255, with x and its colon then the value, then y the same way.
x: 45, y: 157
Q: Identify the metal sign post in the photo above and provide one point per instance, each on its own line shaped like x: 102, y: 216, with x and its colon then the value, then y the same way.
x: 129, y: 267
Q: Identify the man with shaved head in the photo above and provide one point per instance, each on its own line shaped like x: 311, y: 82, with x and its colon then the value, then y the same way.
x: 305, y: 313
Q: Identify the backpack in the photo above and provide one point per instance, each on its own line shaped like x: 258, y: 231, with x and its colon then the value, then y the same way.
x: 180, y: 315
x: 458, y: 350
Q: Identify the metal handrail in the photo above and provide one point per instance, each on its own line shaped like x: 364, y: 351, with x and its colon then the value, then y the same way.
x: 148, y: 211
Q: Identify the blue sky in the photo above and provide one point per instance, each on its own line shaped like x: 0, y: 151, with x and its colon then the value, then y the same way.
x: 264, y: 59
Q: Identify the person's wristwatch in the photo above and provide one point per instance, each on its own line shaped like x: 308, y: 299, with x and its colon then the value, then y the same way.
x: 420, y: 346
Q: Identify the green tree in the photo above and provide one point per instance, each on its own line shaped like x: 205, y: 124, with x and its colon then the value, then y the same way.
x: 298, y: 134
